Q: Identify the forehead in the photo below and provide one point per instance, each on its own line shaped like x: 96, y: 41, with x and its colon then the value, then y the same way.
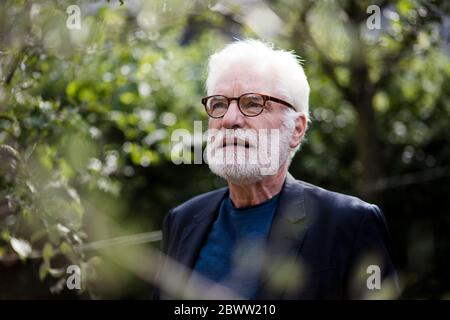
x: 240, y: 79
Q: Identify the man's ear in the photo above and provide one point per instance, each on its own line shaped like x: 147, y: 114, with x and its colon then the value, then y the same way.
x: 299, y: 132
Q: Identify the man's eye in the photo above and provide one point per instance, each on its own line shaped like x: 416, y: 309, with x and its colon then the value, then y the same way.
x: 252, y: 104
x: 218, y: 105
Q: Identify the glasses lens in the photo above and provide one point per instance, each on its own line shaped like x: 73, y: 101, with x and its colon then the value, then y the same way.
x: 251, y: 104
x: 217, y: 106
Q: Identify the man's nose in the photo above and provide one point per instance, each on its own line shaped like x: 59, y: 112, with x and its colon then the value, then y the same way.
x: 233, y: 118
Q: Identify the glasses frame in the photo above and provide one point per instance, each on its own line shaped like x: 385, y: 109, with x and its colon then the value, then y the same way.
x: 264, y: 96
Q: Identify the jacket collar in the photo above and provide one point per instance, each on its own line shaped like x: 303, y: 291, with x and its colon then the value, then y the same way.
x: 292, y: 200
x: 194, y: 234
x: 286, y: 237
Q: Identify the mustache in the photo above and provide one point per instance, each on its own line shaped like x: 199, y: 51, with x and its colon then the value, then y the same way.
x: 233, y: 137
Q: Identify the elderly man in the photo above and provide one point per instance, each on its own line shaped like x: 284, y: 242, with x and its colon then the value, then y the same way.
x: 267, y: 235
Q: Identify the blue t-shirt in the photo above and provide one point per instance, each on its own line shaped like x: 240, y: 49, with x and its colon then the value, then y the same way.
x: 233, y: 250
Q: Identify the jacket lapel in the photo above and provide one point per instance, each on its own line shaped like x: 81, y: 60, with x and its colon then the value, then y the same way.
x: 286, y: 237
x: 194, y: 233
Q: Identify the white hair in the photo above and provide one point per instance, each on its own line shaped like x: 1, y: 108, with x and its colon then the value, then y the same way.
x: 283, y: 66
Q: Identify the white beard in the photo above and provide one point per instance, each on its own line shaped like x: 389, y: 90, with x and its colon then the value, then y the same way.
x: 242, y: 165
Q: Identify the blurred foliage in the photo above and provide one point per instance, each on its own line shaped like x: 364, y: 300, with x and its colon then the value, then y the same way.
x: 86, y: 118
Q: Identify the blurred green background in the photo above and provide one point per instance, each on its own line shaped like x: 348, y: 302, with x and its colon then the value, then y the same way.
x: 86, y: 117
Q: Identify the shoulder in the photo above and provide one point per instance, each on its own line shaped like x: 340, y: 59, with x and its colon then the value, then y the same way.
x: 344, y: 221
x: 188, y: 209
x: 337, y: 207
x: 198, y: 202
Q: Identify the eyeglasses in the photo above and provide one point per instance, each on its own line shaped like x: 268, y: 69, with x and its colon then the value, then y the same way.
x: 250, y: 104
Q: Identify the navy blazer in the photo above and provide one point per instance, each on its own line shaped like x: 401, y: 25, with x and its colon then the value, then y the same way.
x: 321, y: 245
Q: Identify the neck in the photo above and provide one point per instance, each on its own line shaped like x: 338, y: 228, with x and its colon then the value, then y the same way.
x: 258, y: 192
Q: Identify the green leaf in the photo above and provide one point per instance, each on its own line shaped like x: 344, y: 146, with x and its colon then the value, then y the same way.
x: 5, y: 235
x: 68, y: 251
x: 43, y: 270
x: 47, y: 253
x: 71, y: 89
